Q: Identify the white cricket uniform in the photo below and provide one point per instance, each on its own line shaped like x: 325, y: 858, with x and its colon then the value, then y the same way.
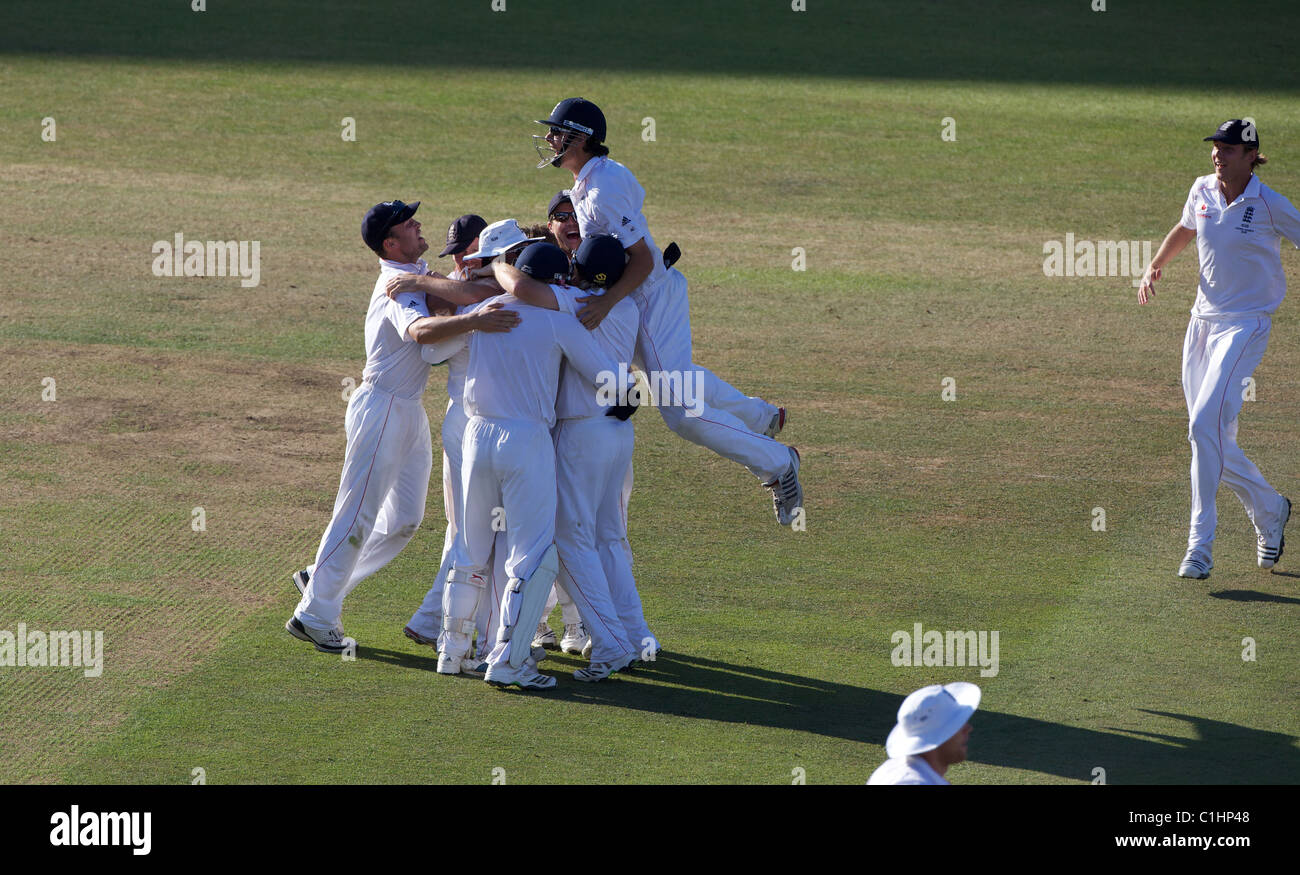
x: 906, y: 770
x: 1241, y: 284
x: 389, y: 456
x: 508, y: 467
x: 427, y: 620
x: 607, y: 199
x: 569, y: 613
x: 592, y: 454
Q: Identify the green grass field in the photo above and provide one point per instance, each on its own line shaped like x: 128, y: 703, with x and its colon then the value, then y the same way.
x: 774, y: 129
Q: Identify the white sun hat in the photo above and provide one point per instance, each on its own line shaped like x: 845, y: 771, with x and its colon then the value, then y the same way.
x: 931, y: 716
x: 500, y: 237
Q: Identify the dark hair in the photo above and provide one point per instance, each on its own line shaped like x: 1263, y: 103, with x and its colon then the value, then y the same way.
x: 597, y: 148
x: 379, y: 250
x: 1259, y: 159
x: 541, y: 231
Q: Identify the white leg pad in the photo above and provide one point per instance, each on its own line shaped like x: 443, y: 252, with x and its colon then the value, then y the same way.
x: 523, y: 604
x: 461, y: 598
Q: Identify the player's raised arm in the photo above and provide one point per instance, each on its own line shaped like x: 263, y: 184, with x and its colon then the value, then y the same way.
x: 1175, y: 242
x: 585, y: 354
x: 640, y: 263
x: 515, y: 282
x: 459, y: 293
x: 492, y: 318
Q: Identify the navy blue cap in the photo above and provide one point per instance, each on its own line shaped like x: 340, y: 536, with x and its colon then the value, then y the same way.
x: 380, y: 220
x: 561, y: 197
x: 462, y: 233
x: 600, y: 260
x: 545, y: 262
x: 1236, y: 131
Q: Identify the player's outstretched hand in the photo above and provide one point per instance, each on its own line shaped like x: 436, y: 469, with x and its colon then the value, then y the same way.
x: 495, y: 318
x: 594, y: 313
x: 404, y: 282
x: 1147, y: 288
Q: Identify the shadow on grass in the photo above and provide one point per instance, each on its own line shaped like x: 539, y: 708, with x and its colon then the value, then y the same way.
x: 1251, y: 595
x: 704, y: 689
x: 416, y: 661
x: 1009, y: 41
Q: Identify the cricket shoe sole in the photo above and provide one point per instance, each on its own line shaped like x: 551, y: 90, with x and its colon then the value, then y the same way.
x: 333, y: 641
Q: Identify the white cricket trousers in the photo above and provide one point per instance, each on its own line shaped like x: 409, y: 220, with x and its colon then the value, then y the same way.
x: 728, y: 422
x: 427, y: 619
x: 592, y: 455
x: 380, y: 501
x: 1218, y: 356
x: 508, y: 477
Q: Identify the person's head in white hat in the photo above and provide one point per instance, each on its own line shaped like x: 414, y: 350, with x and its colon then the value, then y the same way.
x: 931, y: 734
x: 500, y: 238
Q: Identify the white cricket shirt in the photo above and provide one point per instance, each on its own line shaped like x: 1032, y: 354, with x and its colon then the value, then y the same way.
x: 616, y: 335
x: 607, y: 199
x: 1240, y: 248
x: 454, y: 352
x: 393, y: 360
x: 515, y: 374
x: 906, y: 770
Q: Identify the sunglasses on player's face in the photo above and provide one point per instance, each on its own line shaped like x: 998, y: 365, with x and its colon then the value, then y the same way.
x: 561, y: 216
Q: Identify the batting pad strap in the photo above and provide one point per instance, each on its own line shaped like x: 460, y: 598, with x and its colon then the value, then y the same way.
x: 461, y: 625
x: 465, y: 575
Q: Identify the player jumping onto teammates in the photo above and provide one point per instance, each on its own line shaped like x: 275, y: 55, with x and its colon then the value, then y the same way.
x: 607, y: 199
x: 1239, y: 224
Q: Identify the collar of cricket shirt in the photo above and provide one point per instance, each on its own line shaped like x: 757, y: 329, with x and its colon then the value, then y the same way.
x: 421, y: 266
x: 579, y: 189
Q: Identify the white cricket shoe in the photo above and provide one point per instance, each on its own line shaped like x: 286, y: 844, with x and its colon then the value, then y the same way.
x: 778, y: 422
x: 1196, y: 564
x: 545, y: 636
x: 1269, y: 543
x: 332, y: 641
x: 454, y: 653
x: 598, y: 671
x: 575, y: 638
x: 452, y: 664
x: 525, y: 677
x: 787, y: 494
